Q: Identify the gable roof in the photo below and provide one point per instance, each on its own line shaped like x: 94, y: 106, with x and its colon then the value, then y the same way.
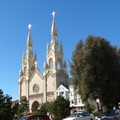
x: 62, y: 88
x: 36, y: 72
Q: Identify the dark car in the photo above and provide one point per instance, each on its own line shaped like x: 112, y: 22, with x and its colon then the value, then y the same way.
x: 109, y: 115
x: 35, y: 117
x: 112, y: 115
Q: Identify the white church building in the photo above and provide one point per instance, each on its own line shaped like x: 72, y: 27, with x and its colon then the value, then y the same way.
x: 39, y: 88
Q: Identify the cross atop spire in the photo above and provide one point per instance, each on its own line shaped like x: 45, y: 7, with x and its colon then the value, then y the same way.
x: 29, y: 27
x: 53, y: 14
x: 29, y: 39
x: 53, y: 29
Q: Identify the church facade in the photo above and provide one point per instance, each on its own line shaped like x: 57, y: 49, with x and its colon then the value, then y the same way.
x: 39, y: 88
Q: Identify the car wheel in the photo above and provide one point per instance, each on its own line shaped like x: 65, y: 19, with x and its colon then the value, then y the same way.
x: 91, y: 119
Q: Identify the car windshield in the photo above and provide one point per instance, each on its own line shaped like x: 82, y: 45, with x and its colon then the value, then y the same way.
x: 23, y: 118
x: 43, y: 117
x: 76, y: 115
x: 112, y: 112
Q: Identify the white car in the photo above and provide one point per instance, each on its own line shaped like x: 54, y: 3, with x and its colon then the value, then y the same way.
x: 80, y: 116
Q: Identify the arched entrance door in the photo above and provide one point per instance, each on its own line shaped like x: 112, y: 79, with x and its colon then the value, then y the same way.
x: 35, y: 106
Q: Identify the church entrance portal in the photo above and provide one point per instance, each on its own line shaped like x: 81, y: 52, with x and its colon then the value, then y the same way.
x: 35, y: 106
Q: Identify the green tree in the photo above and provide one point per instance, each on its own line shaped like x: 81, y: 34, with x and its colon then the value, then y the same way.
x: 9, y: 111
x: 89, y: 108
x: 23, y: 107
x: 44, y: 108
x: 6, y: 112
x: 15, y: 110
x: 60, y: 108
x: 95, y: 69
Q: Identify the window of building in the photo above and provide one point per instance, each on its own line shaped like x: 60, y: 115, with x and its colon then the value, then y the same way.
x: 61, y: 93
x: 59, y: 65
x: 25, y: 70
x: 32, y: 68
x: 51, y: 63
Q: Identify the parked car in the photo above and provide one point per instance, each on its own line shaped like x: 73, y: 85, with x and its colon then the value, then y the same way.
x: 100, y: 117
x: 112, y: 115
x: 80, y: 116
x: 35, y: 117
x: 109, y: 115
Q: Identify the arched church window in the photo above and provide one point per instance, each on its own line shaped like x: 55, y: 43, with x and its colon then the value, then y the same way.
x: 51, y: 63
x: 32, y: 68
x: 25, y: 70
x: 59, y: 65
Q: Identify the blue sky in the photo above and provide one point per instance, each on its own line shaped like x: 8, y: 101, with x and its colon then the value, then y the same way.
x: 75, y: 19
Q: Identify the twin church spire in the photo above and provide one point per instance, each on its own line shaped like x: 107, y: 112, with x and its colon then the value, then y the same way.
x: 54, y: 31
x: 29, y: 60
x: 55, y: 60
x: 54, y: 57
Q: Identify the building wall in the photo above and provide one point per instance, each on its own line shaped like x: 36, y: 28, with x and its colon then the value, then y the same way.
x: 23, y: 88
x: 36, y: 80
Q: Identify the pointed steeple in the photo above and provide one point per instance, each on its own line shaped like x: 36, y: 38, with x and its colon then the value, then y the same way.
x: 29, y: 65
x: 29, y: 38
x: 54, y: 31
x: 21, y: 73
x: 54, y: 35
x: 35, y: 56
x: 45, y: 66
x: 29, y: 51
x: 61, y: 47
x: 48, y: 48
x: 23, y: 57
